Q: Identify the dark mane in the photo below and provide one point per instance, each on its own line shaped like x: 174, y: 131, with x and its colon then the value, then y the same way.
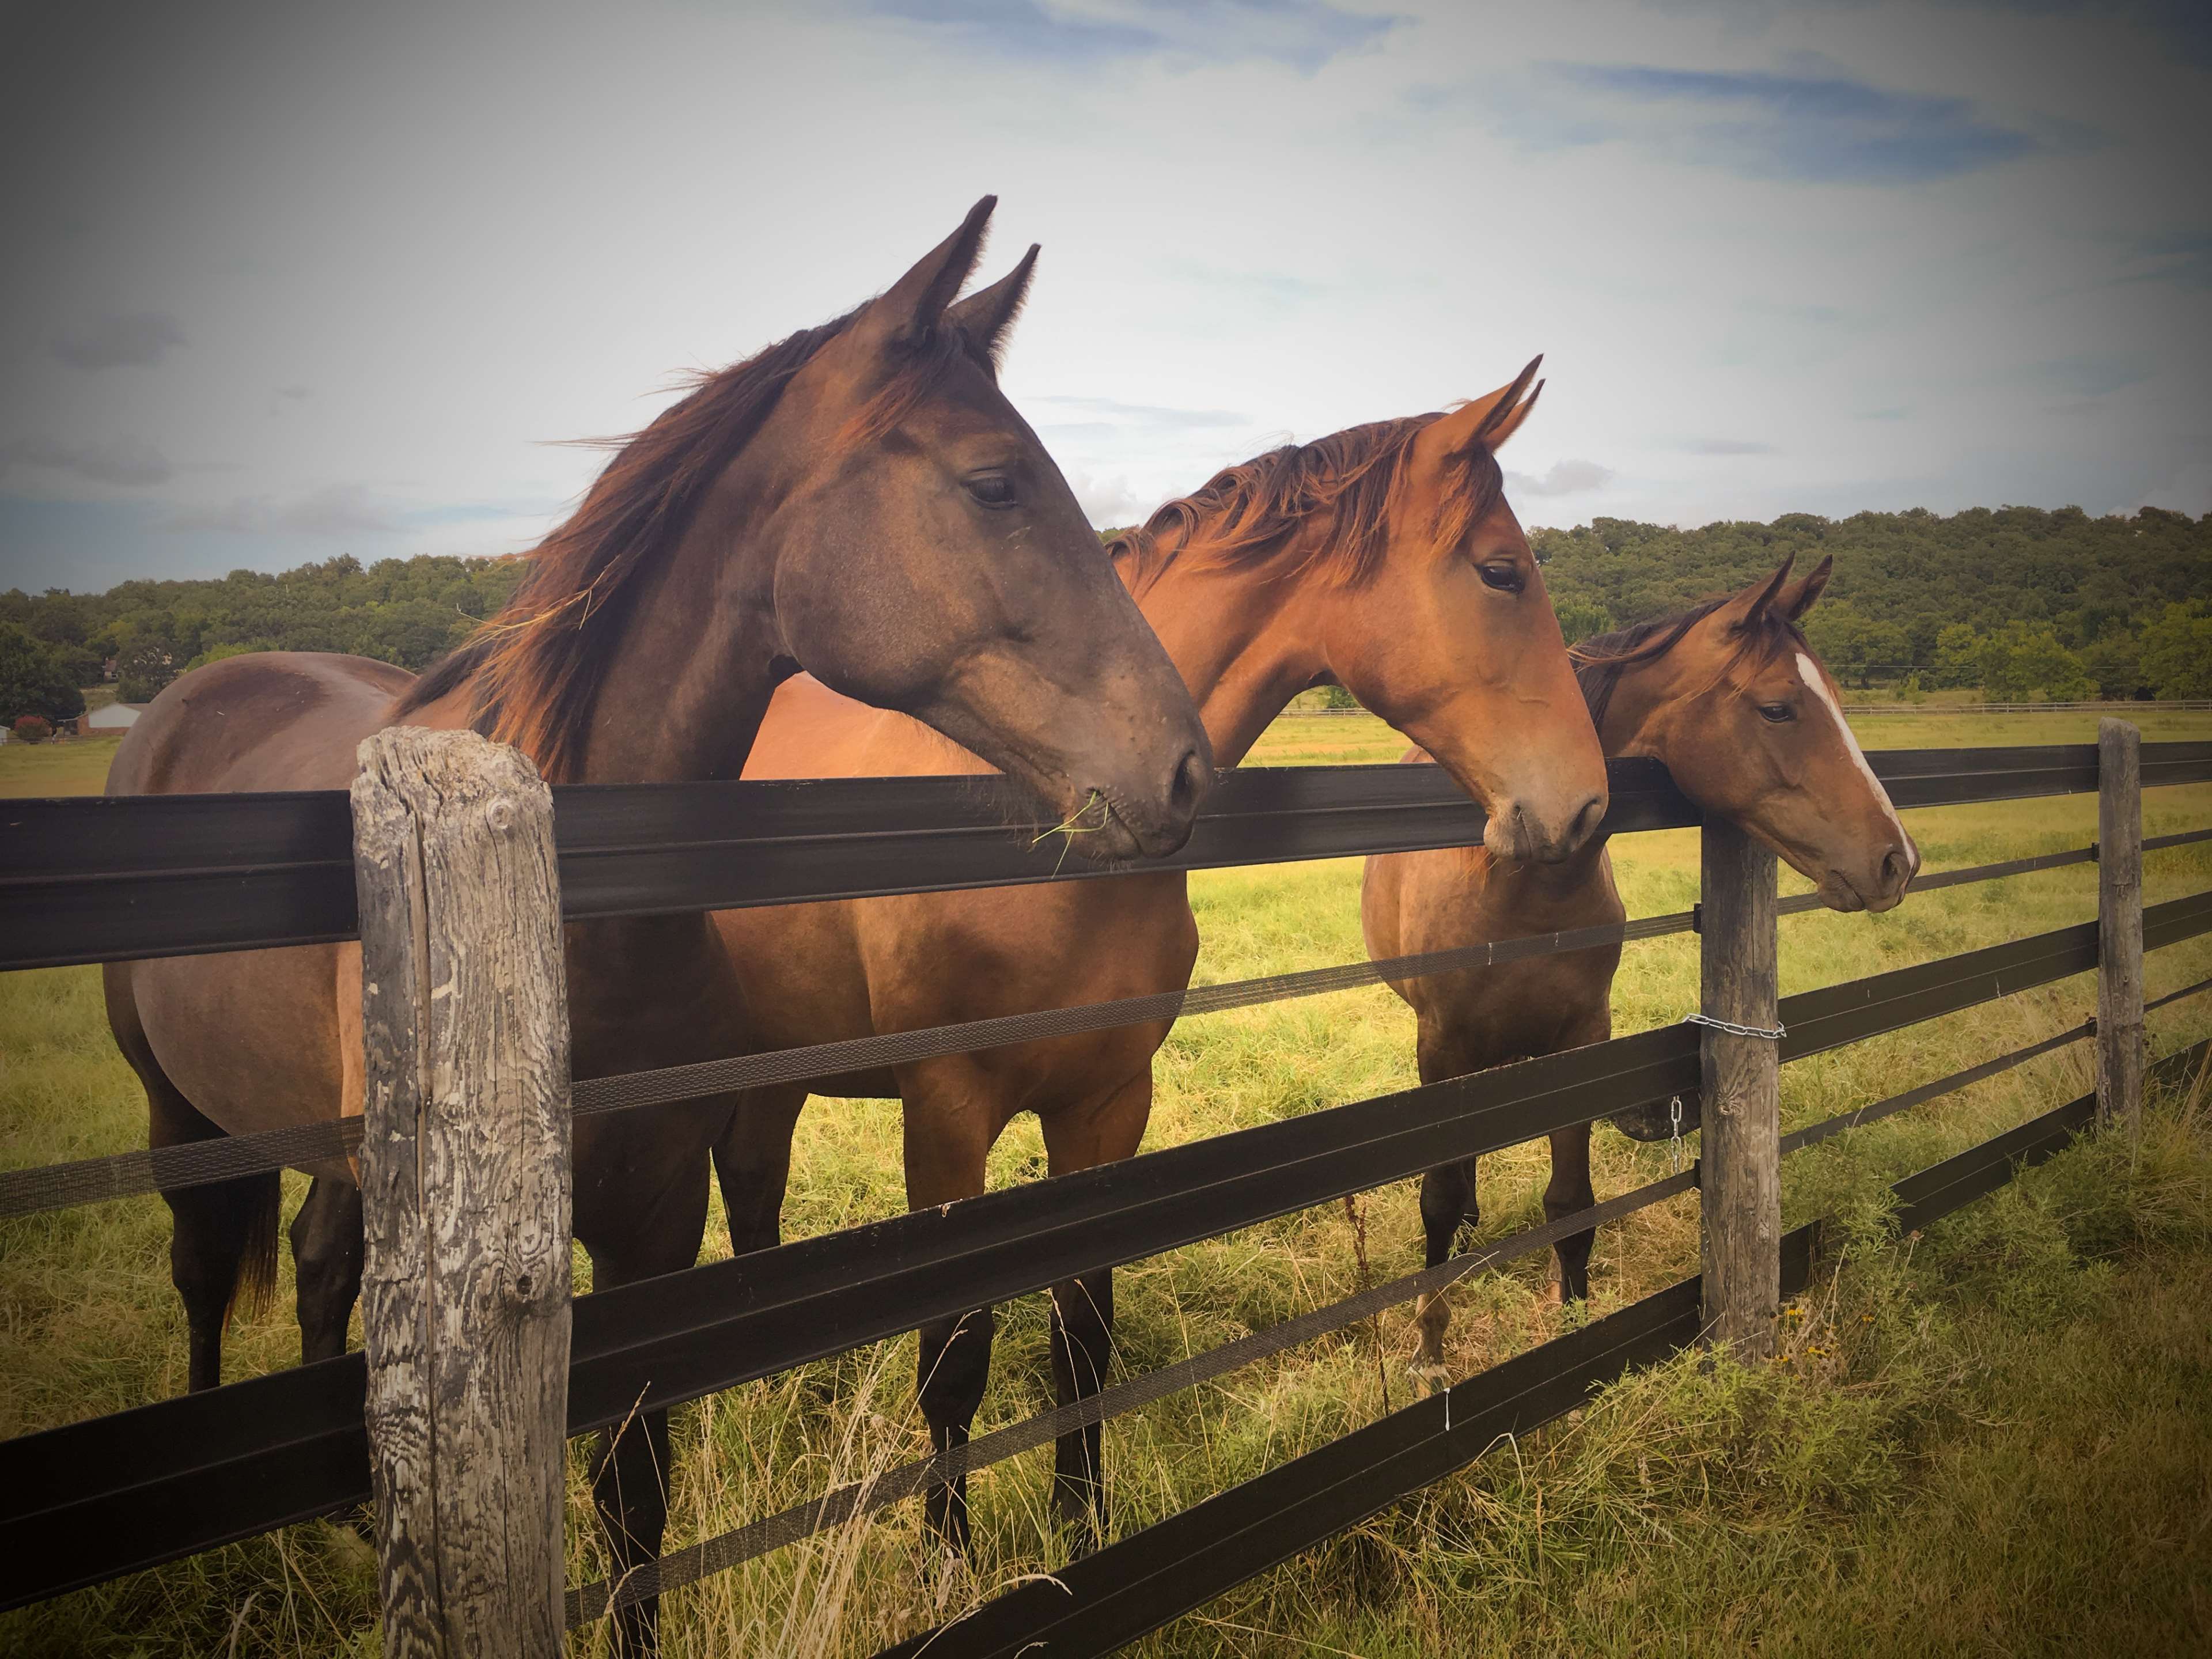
x: 1602, y: 659
x: 535, y: 668
x: 1248, y: 514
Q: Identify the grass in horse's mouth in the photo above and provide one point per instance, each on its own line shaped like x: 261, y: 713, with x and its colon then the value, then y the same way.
x: 1073, y: 825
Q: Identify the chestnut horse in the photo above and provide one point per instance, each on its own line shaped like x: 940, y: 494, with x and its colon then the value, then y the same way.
x: 1384, y: 559
x: 1730, y: 696
x: 860, y: 502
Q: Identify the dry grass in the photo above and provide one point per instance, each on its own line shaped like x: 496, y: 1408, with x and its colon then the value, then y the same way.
x: 1694, y: 1510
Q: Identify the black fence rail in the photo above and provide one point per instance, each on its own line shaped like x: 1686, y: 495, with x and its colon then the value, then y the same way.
x: 170, y: 1168
x: 97, y: 880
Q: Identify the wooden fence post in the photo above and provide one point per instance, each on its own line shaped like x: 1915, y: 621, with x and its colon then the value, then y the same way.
x: 465, y: 1184
x: 2119, y: 927
x: 1740, y: 1178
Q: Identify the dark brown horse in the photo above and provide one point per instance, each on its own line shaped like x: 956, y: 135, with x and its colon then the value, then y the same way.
x: 1731, y: 698
x: 860, y: 502
x: 1384, y: 559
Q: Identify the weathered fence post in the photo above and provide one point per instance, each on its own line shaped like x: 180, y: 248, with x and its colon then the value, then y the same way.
x: 466, y: 1185
x: 2119, y: 927
x: 1740, y: 1178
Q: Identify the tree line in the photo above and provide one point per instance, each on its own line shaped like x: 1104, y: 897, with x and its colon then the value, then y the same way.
x: 409, y: 611
x: 2015, y: 601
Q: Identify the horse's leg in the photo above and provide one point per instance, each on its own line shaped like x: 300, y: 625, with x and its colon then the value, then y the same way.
x: 326, y: 1259
x: 949, y: 1132
x: 1448, y: 1203
x: 1082, y: 1308
x: 223, y: 1237
x: 630, y: 1467
x: 1448, y: 1195
x: 1569, y: 1189
x: 1568, y: 1192
x: 752, y: 1161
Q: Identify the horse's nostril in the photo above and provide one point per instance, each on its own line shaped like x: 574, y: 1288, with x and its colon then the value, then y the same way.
x: 1188, y: 785
x: 1896, y: 870
x: 1586, y: 821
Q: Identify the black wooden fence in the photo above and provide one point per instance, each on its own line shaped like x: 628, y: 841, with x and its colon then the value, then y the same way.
x: 100, y: 879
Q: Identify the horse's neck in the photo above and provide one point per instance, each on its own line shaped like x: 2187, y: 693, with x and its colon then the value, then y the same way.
x: 680, y: 699
x: 687, y: 684
x: 1642, y: 715
x: 1243, y: 642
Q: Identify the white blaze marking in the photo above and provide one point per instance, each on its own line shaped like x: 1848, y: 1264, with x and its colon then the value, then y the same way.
x: 1809, y: 672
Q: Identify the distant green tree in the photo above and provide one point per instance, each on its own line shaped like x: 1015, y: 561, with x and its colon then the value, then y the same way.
x: 1857, y: 648
x: 34, y: 679
x: 2177, y: 652
x: 1958, y: 656
x: 60, y: 618
x: 412, y: 633
x: 2113, y: 660
x: 145, y: 668
x: 1581, y: 619
x: 79, y: 664
x: 2021, y: 659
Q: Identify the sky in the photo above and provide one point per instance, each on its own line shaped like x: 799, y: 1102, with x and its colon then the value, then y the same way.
x: 289, y: 281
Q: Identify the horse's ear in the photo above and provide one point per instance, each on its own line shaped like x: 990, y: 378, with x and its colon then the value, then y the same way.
x: 1508, y: 422
x: 1757, y: 601
x: 1799, y: 598
x: 912, y: 306
x: 1484, y: 424
x: 986, y: 315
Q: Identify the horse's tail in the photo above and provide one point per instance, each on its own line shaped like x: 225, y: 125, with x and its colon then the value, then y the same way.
x: 262, y: 1197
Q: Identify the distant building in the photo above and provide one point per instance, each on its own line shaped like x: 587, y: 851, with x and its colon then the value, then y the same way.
x: 108, y: 721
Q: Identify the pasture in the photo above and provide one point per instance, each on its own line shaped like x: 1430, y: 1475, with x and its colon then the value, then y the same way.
x: 1998, y: 1435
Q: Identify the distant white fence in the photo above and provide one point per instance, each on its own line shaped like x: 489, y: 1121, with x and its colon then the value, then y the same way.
x: 2112, y: 708
x: 2197, y: 706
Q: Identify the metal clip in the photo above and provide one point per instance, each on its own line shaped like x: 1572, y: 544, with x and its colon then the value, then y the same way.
x: 1674, y: 1120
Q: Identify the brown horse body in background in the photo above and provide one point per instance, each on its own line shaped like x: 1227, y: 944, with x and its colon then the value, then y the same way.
x: 1384, y: 558
x: 1731, y: 699
x: 714, y: 557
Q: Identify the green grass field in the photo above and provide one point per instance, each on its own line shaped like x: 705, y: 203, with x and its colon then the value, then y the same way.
x: 1996, y: 1438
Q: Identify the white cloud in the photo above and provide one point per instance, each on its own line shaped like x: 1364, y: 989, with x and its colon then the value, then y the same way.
x: 1109, y: 503
x: 1563, y: 479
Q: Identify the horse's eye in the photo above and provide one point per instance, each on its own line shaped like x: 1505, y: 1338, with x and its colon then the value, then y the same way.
x: 1505, y: 578
x: 1777, y: 712
x: 992, y: 489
